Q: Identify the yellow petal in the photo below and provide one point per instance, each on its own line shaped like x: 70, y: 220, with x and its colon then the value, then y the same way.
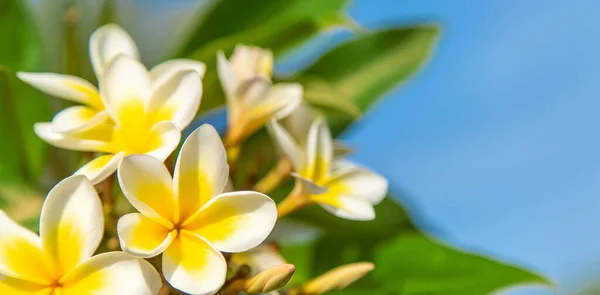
x: 126, y: 89
x: 11, y: 286
x: 100, y: 168
x: 177, y: 99
x: 21, y: 254
x: 142, y: 237
x: 147, y: 185
x: 193, y: 266
x: 65, y: 86
x: 359, y: 182
x: 201, y: 171
x: 112, y: 273
x: 319, y: 151
x: 91, y: 140
x: 235, y: 222
x: 71, y: 222
x: 77, y: 118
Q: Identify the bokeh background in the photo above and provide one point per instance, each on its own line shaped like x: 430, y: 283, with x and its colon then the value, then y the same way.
x: 495, y: 144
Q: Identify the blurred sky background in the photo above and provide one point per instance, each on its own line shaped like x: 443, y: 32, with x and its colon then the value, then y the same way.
x: 497, y: 141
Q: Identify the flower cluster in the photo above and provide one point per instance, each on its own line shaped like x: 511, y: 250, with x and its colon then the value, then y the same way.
x: 189, y: 214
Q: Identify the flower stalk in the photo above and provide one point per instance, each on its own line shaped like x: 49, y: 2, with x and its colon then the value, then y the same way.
x: 274, y: 177
x: 294, y: 201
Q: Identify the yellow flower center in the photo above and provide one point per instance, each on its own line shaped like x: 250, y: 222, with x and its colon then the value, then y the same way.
x: 134, y: 134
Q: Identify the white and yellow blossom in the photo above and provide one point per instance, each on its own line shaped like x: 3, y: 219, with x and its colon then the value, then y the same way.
x: 187, y: 217
x: 106, y: 43
x: 60, y: 261
x: 147, y: 110
x: 343, y: 188
x: 252, y: 99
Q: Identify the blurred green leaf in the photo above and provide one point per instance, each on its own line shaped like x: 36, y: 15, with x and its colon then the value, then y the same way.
x: 20, y: 45
x: 22, y: 154
x: 21, y: 203
x: 362, y: 70
x: 277, y: 25
x: 231, y: 17
x: 410, y: 264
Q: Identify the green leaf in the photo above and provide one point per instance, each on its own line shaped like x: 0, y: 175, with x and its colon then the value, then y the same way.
x: 364, y: 69
x: 20, y: 45
x: 411, y: 264
x: 22, y: 154
x: 231, y: 17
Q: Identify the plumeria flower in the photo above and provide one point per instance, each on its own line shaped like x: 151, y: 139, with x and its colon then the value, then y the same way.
x: 187, y: 217
x: 343, y: 188
x: 60, y: 261
x: 147, y: 118
x: 106, y: 43
x: 298, y: 124
x: 252, y: 100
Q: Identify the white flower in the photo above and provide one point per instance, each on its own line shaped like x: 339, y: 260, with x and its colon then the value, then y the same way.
x: 187, y: 217
x: 252, y: 100
x: 60, y: 260
x: 343, y: 188
x: 135, y: 111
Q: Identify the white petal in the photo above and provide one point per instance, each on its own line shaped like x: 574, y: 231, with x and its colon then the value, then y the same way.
x: 108, y: 42
x: 290, y: 93
x: 77, y: 118
x: 309, y: 186
x: 227, y: 76
x: 126, y: 89
x: 363, y: 184
x: 351, y: 208
x: 287, y: 145
x: 235, y: 222
x: 164, y: 71
x: 260, y: 258
x: 319, y: 151
x: 177, y: 99
x: 193, y: 266
x: 45, y: 132
x: 21, y: 254
x: 168, y: 139
x: 142, y: 237
x: 113, y: 273
x: 147, y: 184
x: 71, y: 222
x: 64, y: 86
x: 201, y: 171
x: 100, y: 168
x: 298, y: 123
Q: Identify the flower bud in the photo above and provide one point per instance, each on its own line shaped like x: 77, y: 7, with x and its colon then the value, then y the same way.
x: 337, y: 278
x: 271, y: 279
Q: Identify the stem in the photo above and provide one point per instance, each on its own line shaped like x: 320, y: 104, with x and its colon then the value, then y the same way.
x: 234, y: 288
x: 233, y: 153
x: 294, y: 201
x: 274, y: 177
x: 110, y: 216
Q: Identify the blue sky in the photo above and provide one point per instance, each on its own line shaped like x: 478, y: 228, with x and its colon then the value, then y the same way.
x: 497, y: 141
